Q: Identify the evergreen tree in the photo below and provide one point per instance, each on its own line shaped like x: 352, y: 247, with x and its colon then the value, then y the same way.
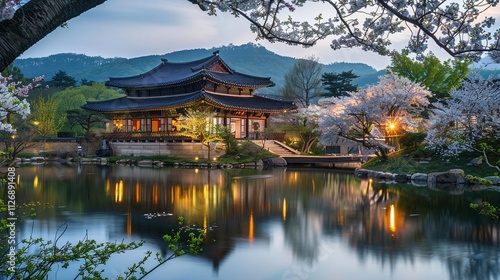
x: 337, y: 85
x: 61, y: 79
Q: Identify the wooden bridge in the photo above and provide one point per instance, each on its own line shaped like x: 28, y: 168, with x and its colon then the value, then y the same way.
x: 293, y: 157
x: 347, y: 161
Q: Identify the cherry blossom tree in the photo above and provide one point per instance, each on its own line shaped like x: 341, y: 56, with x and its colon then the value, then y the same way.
x: 460, y: 30
x: 471, y: 115
x: 371, y: 114
x: 13, y: 101
x: 13, y: 106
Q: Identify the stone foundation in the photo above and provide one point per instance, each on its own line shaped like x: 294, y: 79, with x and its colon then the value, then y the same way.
x: 174, y: 149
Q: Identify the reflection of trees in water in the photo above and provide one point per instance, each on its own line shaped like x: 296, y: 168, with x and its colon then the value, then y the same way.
x: 419, y: 224
x: 475, y: 262
x: 303, y: 232
x: 467, y: 246
x: 392, y: 226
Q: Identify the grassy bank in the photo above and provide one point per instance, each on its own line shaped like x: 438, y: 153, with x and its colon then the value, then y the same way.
x: 402, y: 162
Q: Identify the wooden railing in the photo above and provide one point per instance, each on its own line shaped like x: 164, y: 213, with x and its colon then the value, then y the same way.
x: 174, y: 136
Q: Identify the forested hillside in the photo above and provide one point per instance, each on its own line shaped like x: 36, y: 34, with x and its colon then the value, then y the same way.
x: 249, y: 58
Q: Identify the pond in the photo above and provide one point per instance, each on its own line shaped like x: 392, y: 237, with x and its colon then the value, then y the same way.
x: 279, y: 223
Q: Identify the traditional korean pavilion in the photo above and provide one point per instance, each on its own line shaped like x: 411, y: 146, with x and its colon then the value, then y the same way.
x: 154, y: 100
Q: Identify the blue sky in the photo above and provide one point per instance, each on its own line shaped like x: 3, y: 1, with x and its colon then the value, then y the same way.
x: 131, y: 28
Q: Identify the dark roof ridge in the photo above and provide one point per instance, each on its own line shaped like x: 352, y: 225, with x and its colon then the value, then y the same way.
x: 165, y: 62
x: 210, y: 62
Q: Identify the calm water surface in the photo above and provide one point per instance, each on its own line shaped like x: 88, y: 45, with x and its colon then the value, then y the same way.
x: 271, y: 224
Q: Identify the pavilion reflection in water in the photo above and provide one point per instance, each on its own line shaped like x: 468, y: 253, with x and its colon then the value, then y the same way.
x: 382, y: 222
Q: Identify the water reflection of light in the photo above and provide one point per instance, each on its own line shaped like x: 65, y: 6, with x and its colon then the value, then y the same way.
x: 284, y: 209
x: 119, y: 191
x: 137, y: 192
x: 250, y: 228
x: 155, y: 193
x: 236, y: 192
x: 205, y: 226
x: 129, y: 223
x: 35, y: 181
x: 108, y: 186
x: 392, y: 219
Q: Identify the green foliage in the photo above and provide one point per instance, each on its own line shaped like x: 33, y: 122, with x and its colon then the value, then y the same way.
x: 16, y: 73
x: 412, y: 139
x: 61, y: 79
x: 479, y: 180
x: 337, y: 85
x: 439, y: 77
x: 71, y: 99
x: 84, y: 119
x: 44, y: 116
x: 247, y: 151
x: 486, y: 209
x: 197, y: 124
x: 229, y: 140
x: 411, y: 161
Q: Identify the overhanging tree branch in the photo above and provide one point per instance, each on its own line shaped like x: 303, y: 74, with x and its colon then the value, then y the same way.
x: 35, y: 20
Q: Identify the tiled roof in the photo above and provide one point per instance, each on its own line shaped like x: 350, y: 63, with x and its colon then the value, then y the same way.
x: 231, y: 102
x: 247, y: 103
x: 169, y: 74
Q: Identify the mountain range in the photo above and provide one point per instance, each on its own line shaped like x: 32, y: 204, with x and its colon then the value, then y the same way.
x: 248, y: 58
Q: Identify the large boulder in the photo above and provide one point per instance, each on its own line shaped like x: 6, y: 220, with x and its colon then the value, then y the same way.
x: 401, y: 178
x: 446, y: 181
x: 445, y: 177
x: 361, y: 173
x: 275, y: 162
x: 419, y: 179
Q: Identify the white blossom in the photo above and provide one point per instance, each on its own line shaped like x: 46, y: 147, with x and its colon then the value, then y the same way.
x: 471, y: 114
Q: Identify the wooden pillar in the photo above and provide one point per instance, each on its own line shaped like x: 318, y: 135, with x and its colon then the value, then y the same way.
x: 247, y: 125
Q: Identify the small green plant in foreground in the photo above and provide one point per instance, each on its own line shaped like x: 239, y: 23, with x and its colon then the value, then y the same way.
x: 486, y: 209
x: 35, y: 257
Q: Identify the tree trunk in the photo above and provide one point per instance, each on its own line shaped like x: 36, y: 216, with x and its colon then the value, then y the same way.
x: 35, y: 20
x: 208, y: 147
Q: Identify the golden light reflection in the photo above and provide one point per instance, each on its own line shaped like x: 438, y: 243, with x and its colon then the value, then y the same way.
x: 108, y: 186
x: 35, y: 182
x: 193, y: 195
x: 129, y: 223
x: 250, y: 228
x: 137, y: 192
x: 236, y: 192
x: 155, y: 193
x: 119, y: 191
x: 205, y: 223
x: 392, y: 219
x: 284, y: 209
